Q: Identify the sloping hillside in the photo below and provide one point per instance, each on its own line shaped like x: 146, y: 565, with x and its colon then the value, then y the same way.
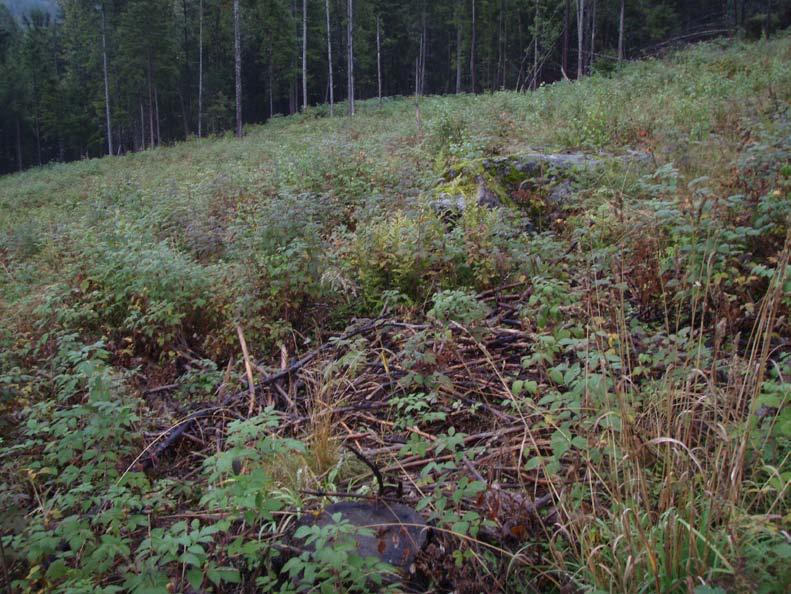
x: 564, y: 344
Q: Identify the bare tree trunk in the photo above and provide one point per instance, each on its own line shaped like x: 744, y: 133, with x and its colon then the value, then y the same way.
x: 417, y: 69
x: 184, y: 115
x: 106, y: 86
x: 156, y: 116
x: 329, y: 57
x: 458, y: 47
x: 566, y: 33
x: 768, y: 22
x: 184, y: 97
x: 521, y: 71
x: 237, y: 43
x: 499, y: 47
x: 504, y: 82
x: 379, y: 56
x: 592, y: 49
x: 621, y: 24
x: 150, y: 106
x: 418, y: 119
x: 18, y: 144
x: 473, y: 42
x: 270, y: 74
x: 423, y: 51
x: 580, y: 36
x: 200, y: 70
x: 350, y: 45
x: 38, y: 137
x: 142, y: 127
x: 534, y: 82
x: 293, y: 85
x: 449, y: 81
x: 304, y: 55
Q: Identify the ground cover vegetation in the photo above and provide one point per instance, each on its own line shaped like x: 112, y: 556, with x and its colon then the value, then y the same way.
x: 85, y: 78
x: 584, y: 388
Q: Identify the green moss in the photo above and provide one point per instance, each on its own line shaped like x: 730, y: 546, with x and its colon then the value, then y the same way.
x: 463, y: 177
x: 513, y: 177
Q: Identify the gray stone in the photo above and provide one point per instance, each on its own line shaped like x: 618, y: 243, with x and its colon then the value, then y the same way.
x: 560, y: 193
x: 447, y: 205
x: 535, y: 163
x: 397, y: 533
x: 485, y: 196
x: 640, y: 157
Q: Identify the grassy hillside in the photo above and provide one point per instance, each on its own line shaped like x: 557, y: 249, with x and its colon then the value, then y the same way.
x: 618, y: 352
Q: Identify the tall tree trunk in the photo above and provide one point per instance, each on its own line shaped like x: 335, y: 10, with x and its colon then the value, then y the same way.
x: 106, y: 86
x: 329, y: 57
x: 580, y: 37
x: 38, y: 137
x: 184, y: 115
x: 768, y: 22
x: 449, y: 81
x: 142, y: 127
x: 186, y: 105
x: 304, y: 55
x: 458, y: 47
x: 473, y: 43
x: 271, y: 76
x: 506, y: 61
x: 417, y: 68
x: 150, y: 106
x: 621, y: 24
x: 520, y: 45
x: 237, y: 44
x: 499, y: 46
x: 592, y: 49
x: 18, y: 144
x: 293, y: 88
x: 534, y: 82
x: 156, y: 109
x: 566, y: 35
x: 350, y: 45
x: 418, y: 119
x: 423, y: 51
x: 379, y: 56
x: 200, y: 70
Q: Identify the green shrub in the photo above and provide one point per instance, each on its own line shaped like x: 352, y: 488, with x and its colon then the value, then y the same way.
x: 129, y: 286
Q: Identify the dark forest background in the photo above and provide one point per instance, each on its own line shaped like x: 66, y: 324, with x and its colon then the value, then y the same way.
x: 165, y: 68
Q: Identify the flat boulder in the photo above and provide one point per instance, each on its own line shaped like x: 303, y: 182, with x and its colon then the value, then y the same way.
x: 392, y: 532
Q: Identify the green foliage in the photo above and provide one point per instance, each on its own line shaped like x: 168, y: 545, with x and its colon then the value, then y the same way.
x: 241, y: 476
x: 331, y: 562
x: 72, y: 446
x: 415, y: 410
x: 457, y: 306
x: 640, y: 311
x: 133, y: 286
x: 418, y: 255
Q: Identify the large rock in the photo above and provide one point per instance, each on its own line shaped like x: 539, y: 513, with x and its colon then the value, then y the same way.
x: 535, y: 164
x: 485, y: 196
x: 447, y: 206
x: 498, y: 182
x: 399, y: 533
x: 560, y: 193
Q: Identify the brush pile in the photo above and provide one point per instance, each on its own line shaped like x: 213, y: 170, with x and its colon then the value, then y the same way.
x: 385, y: 386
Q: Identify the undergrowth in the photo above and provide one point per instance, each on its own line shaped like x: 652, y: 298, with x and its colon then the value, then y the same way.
x: 653, y: 393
